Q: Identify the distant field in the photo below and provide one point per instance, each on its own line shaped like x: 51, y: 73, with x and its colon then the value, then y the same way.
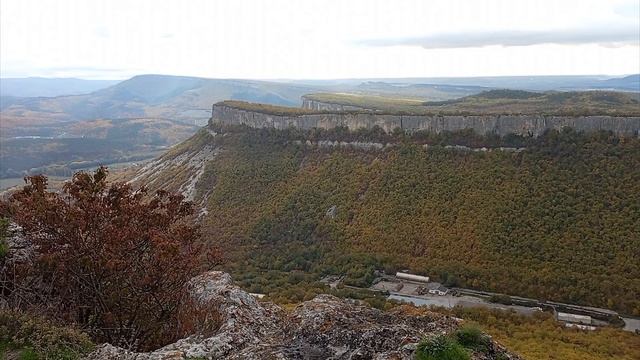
x: 499, y: 102
x: 65, y: 148
x: 366, y: 101
x: 117, y: 172
x: 54, y: 182
x: 10, y: 182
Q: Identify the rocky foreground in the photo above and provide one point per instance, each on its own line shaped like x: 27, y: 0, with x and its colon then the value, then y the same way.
x: 323, y: 328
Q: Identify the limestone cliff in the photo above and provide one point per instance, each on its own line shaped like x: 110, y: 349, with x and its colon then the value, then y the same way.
x: 498, y: 124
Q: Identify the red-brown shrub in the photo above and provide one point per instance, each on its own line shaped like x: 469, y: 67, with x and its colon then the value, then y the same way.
x: 111, y: 258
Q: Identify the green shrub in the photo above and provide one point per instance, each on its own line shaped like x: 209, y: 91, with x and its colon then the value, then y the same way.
x: 28, y: 354
x: 472, y: 337
x: 441, y: 347
x: 36, y: 338
x: 4, y: 248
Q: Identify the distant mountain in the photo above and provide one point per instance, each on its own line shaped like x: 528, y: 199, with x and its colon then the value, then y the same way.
x: 186, y: 99
x: 631, y: 82
x: 36, y: 86
x: 533, y: 83
x: 129, y: 121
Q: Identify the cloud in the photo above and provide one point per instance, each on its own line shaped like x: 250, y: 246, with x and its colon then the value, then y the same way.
x: 84, y: 72
x: 101, y: 32
x: 610, y: 37
x: 628, y: 9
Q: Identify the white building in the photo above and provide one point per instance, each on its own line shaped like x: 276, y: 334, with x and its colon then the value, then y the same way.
x: 581, y: 327
x: 574, y: 318
x: 412, y: 277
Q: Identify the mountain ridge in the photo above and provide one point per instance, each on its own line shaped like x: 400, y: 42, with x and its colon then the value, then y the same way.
x: 50, y: 87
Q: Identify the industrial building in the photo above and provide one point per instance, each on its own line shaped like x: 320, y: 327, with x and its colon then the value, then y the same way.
x: 412, y: 277
x: 574, y: 318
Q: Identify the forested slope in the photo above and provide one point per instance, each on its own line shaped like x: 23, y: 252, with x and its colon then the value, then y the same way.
x: 557, y: 221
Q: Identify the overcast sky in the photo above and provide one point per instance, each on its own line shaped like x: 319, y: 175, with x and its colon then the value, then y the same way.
x: 299, y: 39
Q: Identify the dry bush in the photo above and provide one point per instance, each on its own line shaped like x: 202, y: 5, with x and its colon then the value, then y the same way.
x: 108, y: 257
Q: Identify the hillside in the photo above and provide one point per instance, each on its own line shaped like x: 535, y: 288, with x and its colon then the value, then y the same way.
x: 631, y: 83
x: 185, y: 99
x: 557, y: 221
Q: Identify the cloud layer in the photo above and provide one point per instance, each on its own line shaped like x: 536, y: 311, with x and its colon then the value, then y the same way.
x: 317, y: 39
x: 611, y: 37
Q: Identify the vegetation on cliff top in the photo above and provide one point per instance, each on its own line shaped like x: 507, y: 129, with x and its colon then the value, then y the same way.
x: 498, y: 102
x: 366, y: 101
x: 266, y: 108
x: 32, y: 337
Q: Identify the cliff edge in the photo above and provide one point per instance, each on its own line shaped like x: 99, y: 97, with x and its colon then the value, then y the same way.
x: 258, y: 116
x: 323, y: 328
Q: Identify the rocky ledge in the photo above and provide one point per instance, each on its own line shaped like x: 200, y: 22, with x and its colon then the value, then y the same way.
x: 326, y: 327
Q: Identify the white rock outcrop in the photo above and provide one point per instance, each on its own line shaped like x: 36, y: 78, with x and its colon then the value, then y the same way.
x: 324, y: 328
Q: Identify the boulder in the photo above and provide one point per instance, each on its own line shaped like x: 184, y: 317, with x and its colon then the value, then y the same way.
x: 326, y: 327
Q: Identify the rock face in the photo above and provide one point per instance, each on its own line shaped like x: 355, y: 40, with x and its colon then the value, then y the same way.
x: 323, y: 328
x: 187, y: 167
x: 502, y: 125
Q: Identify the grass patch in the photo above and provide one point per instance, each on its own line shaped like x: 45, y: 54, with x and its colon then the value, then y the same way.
x: 471, y: 337
x: 441, y: 347
x: 32, y: 337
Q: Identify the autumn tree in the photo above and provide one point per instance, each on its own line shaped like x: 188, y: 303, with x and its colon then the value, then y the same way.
x: 110, y: 257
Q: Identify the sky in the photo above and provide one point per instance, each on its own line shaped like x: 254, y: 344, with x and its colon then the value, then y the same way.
x: 318, y: 39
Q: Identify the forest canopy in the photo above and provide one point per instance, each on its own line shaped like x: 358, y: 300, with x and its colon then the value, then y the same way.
x: 555, y: 221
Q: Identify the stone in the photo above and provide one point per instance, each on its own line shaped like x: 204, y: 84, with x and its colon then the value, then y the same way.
x: 326, y: 327
x: 331, y: 212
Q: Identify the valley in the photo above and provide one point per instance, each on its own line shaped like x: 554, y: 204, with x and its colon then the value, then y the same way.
x: 319, y: 180
x: 505, y: 194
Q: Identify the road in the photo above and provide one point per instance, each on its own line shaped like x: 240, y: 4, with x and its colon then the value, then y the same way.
x: 631, y: 324
x: 408, y: 291
x: 449, y: 301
